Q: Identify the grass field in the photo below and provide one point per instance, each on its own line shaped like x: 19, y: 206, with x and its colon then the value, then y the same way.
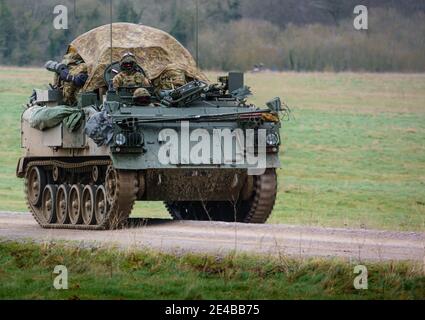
x: 353, y: 156
x: 26, y: 272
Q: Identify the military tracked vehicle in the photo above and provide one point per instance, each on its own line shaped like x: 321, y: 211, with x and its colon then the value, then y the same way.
x: 151, y: 152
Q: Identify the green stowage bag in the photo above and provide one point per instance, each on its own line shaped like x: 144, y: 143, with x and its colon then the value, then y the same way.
x: 73, y: 122
x: 43, y: 118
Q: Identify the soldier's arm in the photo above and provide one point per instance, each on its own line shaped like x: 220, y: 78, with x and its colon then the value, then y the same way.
x: 78, y: 80
x: 116, y: 82
x: 146, y: 83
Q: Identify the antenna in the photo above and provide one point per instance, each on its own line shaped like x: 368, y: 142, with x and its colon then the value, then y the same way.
x: 110, y: 30
x: 75, y: 10
x: 110, y: 12
x: 197, y: 31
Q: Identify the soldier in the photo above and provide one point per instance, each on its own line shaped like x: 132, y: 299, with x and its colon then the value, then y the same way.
x: 171, y: 78
x: 129, y: 75
x: 142, y: 97
x: 71, y: 75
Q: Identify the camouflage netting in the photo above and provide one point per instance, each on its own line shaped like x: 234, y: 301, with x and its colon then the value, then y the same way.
x: 154, y: 49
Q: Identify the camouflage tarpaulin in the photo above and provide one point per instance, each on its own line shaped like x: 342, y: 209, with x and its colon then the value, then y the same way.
x: 153, y: 48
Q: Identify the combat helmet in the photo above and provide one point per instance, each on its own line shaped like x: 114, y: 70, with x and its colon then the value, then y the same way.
x: 72, y: 57
x: 174, y: 76
x: 142, y: 97
x: 128, y: 62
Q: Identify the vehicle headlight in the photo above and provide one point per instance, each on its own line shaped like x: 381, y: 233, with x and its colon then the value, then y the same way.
x: 120, y: 139
x: 272, y: 139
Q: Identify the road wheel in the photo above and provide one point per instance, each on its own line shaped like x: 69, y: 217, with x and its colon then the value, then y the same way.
x: 62, y: 196
x: 88, y: 205
x: 101, y: 207
x: 36, y: 180
x: 74, y: 204
x: 111, y: 183
x: 48, y: 208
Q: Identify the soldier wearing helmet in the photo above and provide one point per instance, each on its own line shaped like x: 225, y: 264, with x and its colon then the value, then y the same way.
x: 170, y: 78
x: 129, y: 76
x: 70, y: 75
x: 142, y: 97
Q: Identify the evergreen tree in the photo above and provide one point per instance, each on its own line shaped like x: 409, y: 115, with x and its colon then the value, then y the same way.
x: 7, y: 32
x: 126, y: 12
x: 336, y: 9
x: 224, y: 11
x: 234, y: 12
x: 182, y: 26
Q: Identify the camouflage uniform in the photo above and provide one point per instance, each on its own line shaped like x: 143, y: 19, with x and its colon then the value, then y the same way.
x: 130, y: 79
x: 129, y: 75
x: 76, y: 67
x: 170, y: 79
x: 70, y: 90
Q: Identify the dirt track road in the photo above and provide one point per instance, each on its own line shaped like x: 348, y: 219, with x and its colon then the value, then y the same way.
x: 220, y: 238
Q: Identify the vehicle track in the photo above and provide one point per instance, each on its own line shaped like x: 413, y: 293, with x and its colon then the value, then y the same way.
x: 222, y: 238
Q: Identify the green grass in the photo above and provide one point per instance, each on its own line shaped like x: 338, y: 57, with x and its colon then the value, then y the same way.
x: 26, y: 272
x: 353, y: 154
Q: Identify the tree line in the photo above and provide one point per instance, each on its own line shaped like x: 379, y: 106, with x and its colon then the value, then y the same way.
x: 235, y: 34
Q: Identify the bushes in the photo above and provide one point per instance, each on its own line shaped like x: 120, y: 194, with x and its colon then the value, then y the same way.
x: 393, y: 43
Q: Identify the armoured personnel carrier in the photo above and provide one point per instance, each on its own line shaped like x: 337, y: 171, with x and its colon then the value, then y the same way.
x: 200, y: 148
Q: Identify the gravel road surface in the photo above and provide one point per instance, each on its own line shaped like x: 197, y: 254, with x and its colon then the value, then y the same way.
x: 222, y: 238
